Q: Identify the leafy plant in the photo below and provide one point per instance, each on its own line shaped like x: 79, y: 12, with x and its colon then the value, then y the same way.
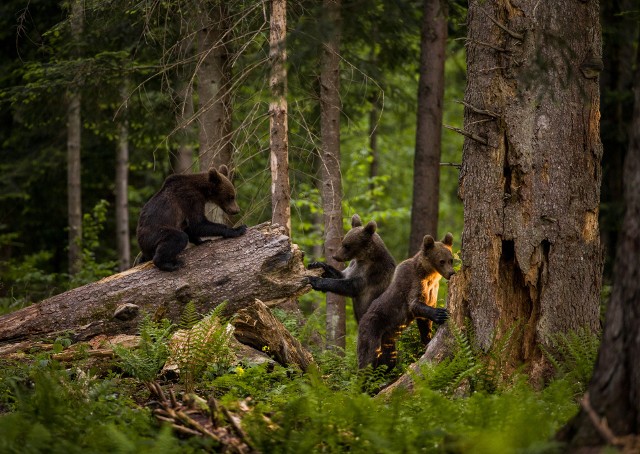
x: 204, y: 343
x: 147, y: 359
x: 470, y: 366
x: 92, y: 226
x: 24, y: 280
x: 573, y: 355
x: 55, y: 412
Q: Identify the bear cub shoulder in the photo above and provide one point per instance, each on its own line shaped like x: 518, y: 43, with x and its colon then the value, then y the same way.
x: 370, y: 267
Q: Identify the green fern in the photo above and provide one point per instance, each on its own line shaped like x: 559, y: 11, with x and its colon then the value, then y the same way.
x: 469, y: 365
x: 189, y: 316
x: 573, y: 355
x: 206, y: 343
x: 145, y: 361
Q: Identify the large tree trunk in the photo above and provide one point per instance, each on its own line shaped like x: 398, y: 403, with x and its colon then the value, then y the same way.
x: 426, y: 164
x: 611, y: 408
x: 330, y: 165
x: 262, y: 264
x: 74, y: 133
x: 123, y: 236
x: 278, y: 123
x: 214, y: 109
x: 530, y: 175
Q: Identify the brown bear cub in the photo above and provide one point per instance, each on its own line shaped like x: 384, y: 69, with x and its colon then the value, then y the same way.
x: 369, y: 272
x: 175, y: 216
x: 402, y: 302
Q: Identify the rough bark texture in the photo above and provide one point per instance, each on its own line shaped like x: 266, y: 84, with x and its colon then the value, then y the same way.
x: 530, y: 182
x: 278, y: 122
x: 330, y: 165
x: 123, y: 236
x: 74, y: 133
x: 426, y: 163
x: 614, y: 390
x: 262, y: 264
x: 214, y: 110
x: 256, y: 326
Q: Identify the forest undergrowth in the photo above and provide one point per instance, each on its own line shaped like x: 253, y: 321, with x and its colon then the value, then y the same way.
x: 467, y: 403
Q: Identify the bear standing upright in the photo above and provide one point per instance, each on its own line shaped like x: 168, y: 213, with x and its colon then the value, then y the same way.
x: 175, y: 215
x: 402, y: 302
x: 369, y: 272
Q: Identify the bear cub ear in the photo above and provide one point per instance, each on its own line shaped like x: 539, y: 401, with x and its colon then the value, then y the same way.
x: 371, y: 227
x: 214, y: 176
x: 356, y: 221
x: 224, y: 170
x: 448, y: 240
x: 428, y: 242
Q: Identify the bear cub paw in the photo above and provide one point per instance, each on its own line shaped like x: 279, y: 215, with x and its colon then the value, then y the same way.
x: 238, y: 231
x: 313, y: 281
x: 441, y: 316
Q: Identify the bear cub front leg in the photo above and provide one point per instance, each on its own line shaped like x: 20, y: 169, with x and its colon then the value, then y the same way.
x: 421, y: 310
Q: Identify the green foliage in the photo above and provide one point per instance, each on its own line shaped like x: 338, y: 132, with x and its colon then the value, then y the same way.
x: 573, y: 355
x: 469, y: 368
x: 54, y: 412
x: 145, y: 361
x: 265, y: 383
x: 25, y: 281
x: 92, y: 226
x: 318, y: 418
x: 204, y: 346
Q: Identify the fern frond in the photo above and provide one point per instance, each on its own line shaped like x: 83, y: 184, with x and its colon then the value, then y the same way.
x: 189, y: 316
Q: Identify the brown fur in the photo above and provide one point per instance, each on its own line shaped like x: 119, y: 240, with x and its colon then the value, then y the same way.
x: 175, y: 215
x: 369, y: 272
x: 402, y: 302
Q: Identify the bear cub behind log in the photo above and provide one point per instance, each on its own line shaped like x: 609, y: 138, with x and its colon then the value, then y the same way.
x: 175, y: 215
x: 369, y: 272
x: 402, y: 302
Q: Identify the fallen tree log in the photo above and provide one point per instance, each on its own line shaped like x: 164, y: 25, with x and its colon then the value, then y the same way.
x: 262, y: 264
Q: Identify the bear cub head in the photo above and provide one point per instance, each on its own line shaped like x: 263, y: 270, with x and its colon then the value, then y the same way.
x: 357, y: 241
x: 436, y: 255
x: 221, y: 191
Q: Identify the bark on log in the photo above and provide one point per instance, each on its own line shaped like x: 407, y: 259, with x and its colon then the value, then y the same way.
x: 262, y: 264
x: 257, y: 327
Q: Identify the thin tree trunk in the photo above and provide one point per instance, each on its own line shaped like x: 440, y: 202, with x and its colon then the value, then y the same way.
x: 531, y: 175
x: 213, y: 92
x: 426, y: 164
x: 184, y: 159
x: 123, y: 236
x: 278, y: 123
x: 330, y: 165
x: 374, y: 118
x: 611, y: 407
x: 74, y: 133
x: 183, y: 162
